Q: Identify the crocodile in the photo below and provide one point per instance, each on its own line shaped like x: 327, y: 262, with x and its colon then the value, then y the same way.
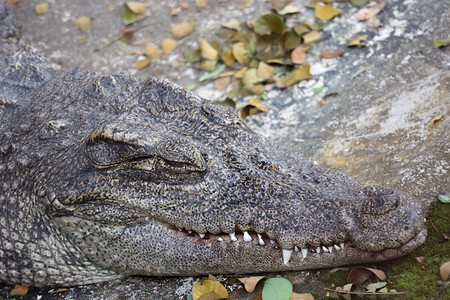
x: 106, y: 176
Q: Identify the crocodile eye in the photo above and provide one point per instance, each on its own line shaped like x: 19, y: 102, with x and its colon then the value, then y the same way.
x: 379, y: 200
x: 108, y: 148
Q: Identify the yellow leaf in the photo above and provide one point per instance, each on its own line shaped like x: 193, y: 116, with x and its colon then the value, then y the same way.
x: 251, y: 77
x: 143, y: 63
x: 356, y: 41
x: 325, y: 12
x: 227, y: 57
x: 445, y: 270
x: 232, y: 24
x: 137, y: 7
x: 208, y: 51
x: 239, y: 74
x: 208, y: 286
x: 83, y: 23
x: 151, y: 52
x: 41, y: 8
x: 435, y: 119
x: 168, y: 45
x: 19, y: 290
x: 253, y: 107
x: 265, y: 71
x: 289, y: 9
x: 240, y: 53
x: 182, y: 30
x: 311, y: 37
x: 250, y: 282
x: 201, y: 3
x: 298, y: 74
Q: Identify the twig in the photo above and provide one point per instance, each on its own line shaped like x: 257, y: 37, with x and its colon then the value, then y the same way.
x: 364, y: 293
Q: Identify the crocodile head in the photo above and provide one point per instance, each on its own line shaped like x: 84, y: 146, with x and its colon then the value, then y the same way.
x: 148, y: 178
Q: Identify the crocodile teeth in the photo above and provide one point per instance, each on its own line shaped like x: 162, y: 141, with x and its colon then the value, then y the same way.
x: 189, y: 231
x: 286, y: 256
x: 330, y: 249
x: 296, y: 249
x: 342, y: 245
x: 247, y: 237
x: 202, y: 235
x: 337, y: 247
x: 325, y: 249
x: 318, y: 250
x: 272, y: 241
x: 304, y: 252
x: 233, y: 238
x: 220, y: 239
x: 260, y: 240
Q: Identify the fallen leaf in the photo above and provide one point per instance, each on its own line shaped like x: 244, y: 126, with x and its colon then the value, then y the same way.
x: 222, y: 83
x: 435, y: 119
x: 212, y: 74
x: 192, y: 55
x: 332, y: 53
x: 277, y: 289
x: 444, y: 198
x: 334, y: 270
x: 377, y: 285
x: 208, y: 287
x: 251, y: 77
x: 440, y: 43
x: 227, y: 57
x: 136, y: 7
x: 59, y: 290
x: 19, y: 290
x: 311, y: 37
x: 301, y: 29
x: 208, y: 51
x: 298, y: 74
x: 232, y: 24
x: 325, y: 12
x: 13, y: 1
x: 182, y: 30
x: 357, y: 73
x: 41, y: 8
x: 125, y: 48
x: 420, y: 259
x: 83, y: 23
x: 184, y: 5
x: 295, y: 296
x: 265, y: 71
x: 143, y: 63
x: 241, y: 54
x: 201, y: 3
x: 280, y: 4
x: 128, y: 16
x: 370, y: 12
x: 298, y: 55
x: 359, y: 275
x: 208, y: 65
x: 168, y: 45
x: 239, y: 74
x: 445, y: 270
x: 250, y: 282
x: 356, y: 40
x: 359, y: 3
x: 290, y: 40
x: 151, y: 52
x: 289, y: 9
x: 348, y: 287
x: 267, y: 24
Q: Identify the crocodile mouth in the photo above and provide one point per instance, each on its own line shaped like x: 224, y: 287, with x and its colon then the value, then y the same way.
x: 345, y: 248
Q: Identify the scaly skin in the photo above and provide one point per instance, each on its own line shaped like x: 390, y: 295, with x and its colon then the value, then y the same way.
x: 108, y: 176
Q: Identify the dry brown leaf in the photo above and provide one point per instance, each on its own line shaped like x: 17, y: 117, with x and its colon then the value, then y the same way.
x: 298, y: 55
x: 332, y: 53
x: 137, y: 7
x: 239, y: 74
x: 60, y: 290
x: 356, y: 40
x: 184, y: 5
x: 13, y: 1
x: 208, y: 51
x: 371, y: 12
x: 143, y: 63
x: 359, y: 275
x: 19, y: 290
x: 295, y: 296
x: 168, y: 45
x: 445, y: 270
x: 280, y: 4
x: 151, y: 52
x: 253, y: 107
x: 265, y: 71
x: 227, y: 57
x: 201, y: 3
x: 222, y: 83
x: 41, y: 8
x: 250, y: 282
x: 311, y: 37
x: 334, y: 270
x: 251, y: 77
x: 182, y: 30
x: 83, y: 23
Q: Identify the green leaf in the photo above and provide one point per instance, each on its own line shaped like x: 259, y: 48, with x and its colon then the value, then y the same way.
x: 277, y: 289
x: 318, y: 90
x: 267, y: 24
x: 377, y: 285
x: 359, y: 3
x: 297, y: 74
x: 440, y: 43
x: 444, y: 198
x: 290, y: 40
x: 128, y: 17
x: 213, y: 73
